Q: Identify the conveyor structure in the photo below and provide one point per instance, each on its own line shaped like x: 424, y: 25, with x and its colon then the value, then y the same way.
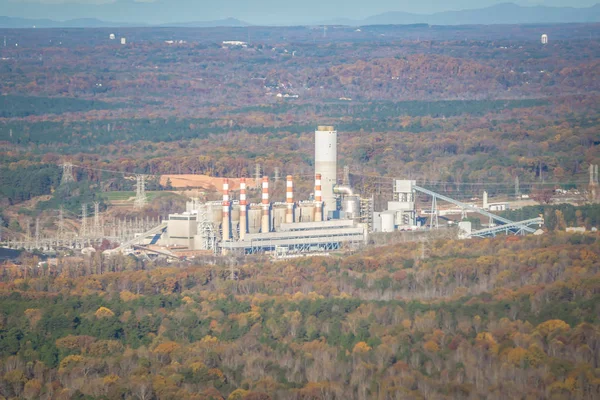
x: 506, y: 225
x: 517, y: 228
x: 154, y: 233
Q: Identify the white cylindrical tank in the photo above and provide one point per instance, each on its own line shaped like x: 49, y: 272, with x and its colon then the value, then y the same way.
x: 544, y: 39
x: 111, y: 36
x: 235, y: 213
x: 278, y: 216
x: 387, y: 222
x: 254, y: 218
x: 326, y: 164
x: 307, y: 213
x: 215, y: 214
x: 351, y: 206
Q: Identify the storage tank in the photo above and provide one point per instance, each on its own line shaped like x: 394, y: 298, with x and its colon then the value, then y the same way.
x: 278, y: 215
x: 254, y: 219
x: 215, y: 214
x: 326, y: 164
x: 235, y: 213
x: 387, y: 222
x: 307, y: 213
x: 351, y: 206
x: 235, y: 221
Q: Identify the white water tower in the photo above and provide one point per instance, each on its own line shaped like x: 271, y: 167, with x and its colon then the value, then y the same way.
x: 544, y: 39
x: 111, y: 36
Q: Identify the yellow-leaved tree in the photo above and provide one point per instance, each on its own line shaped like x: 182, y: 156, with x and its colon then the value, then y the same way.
x: 104, y: 312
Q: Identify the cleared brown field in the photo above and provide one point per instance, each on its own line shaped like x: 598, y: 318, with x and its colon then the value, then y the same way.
x: 209, y: 183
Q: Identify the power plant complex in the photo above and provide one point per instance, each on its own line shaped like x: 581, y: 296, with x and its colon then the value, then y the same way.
x: 327, y: 221
x: 334, y: 217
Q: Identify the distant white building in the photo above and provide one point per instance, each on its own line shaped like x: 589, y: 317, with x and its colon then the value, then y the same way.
x: 123, y: 40
x: 544, y: 39
x: 112, y: 36
x: 498, y: 206
x: 227, y: 43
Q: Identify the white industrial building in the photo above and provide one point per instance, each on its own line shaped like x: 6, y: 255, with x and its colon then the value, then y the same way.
x: 181, y: 229
x: 401, y: 212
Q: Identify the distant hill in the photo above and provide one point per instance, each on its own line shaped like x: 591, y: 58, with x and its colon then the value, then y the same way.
x: 227, y: 22
x: 9, y: 22
x: 142, y: 12
x: 505, y: 13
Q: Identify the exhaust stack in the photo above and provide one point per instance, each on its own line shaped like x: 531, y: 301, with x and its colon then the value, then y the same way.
x: 243, y: 208
x: 289, y: 198
x: 226, y: 206
x: 326, y: 164
x: 318, y: 199
x: 265, y: 221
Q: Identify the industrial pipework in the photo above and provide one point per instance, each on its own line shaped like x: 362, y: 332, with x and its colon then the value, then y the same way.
x: 289, y: 198
x: 265, y: 221
x: 243, y: 206
x: 226, y: 206
x: 343, y: 189
x: 318, y: 199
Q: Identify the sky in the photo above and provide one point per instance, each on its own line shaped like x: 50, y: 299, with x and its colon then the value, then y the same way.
x: 252, y: 11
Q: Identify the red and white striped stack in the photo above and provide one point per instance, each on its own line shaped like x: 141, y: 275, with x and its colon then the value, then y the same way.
x: 243, y: 208
x: 265, y: 223
x: 318, y: 199
x: 289, y: 198
x: 226, y: 205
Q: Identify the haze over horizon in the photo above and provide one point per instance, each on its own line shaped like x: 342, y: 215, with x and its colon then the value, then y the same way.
x: 269, y: 12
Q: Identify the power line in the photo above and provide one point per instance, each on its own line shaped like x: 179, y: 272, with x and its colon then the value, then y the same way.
x: 107, y: 170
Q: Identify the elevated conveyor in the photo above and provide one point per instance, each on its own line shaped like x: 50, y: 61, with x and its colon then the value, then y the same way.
x: 515, y: 227
x: 521, y: 226
x: 157, y: 230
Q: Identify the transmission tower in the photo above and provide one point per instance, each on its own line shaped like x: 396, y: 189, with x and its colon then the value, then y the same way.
x: 276, y: 177
x: 593, y: 181
x: 517, y: 189
x: 97, y: 219
x: 61, y: 223
x: 257, y: 181
x: 37, y: 233
x: 67, y: 175
x: 140, y: 192
x: 84, y: 229
x: 28, y: 230
x: 206, y: 230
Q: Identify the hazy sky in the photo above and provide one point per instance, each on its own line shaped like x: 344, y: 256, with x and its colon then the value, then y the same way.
x: 253, y: 11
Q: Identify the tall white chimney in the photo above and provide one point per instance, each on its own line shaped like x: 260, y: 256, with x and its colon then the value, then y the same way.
x: 326, y: 164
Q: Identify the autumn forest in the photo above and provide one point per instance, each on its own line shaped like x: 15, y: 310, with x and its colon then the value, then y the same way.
x: 459, y: 109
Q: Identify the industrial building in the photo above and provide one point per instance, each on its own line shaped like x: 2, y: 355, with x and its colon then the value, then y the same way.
x: 334, y: 218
